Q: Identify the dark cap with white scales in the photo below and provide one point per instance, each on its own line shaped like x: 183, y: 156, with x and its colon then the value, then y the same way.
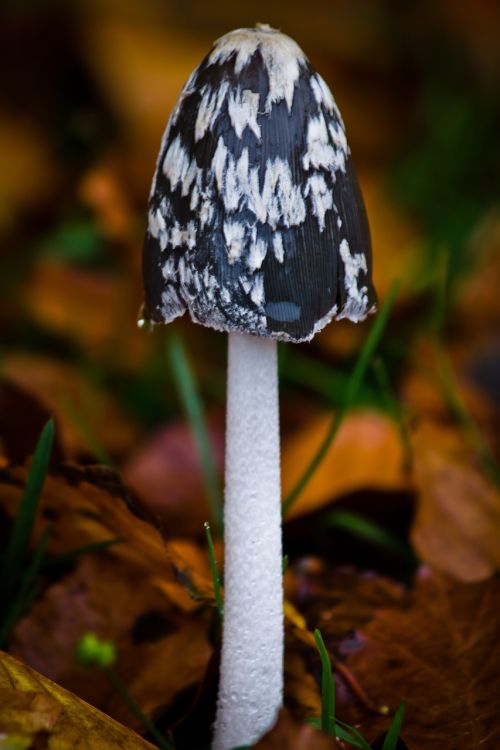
x: 256, y: 222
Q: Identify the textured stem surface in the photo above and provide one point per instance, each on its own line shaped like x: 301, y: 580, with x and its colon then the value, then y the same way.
x: 251, y: 678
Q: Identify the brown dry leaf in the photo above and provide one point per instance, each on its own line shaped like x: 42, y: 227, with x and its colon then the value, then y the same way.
x: 19, y: 437
x: 88, y: 505
x: 129, y: 593
x: 28, y: 174
x: 101, y: 190
x: 166, y: 474
x: 293, y: 735
x: 78, y: 406
x: 93, y: 308
x: 301, y: 689
x: 337, y: 602
x: 367, y: 453
x: 457, y: 524
x: 35, y: 709
x: 424, y: 388
x: 140, y: 68
x: 440, y: 656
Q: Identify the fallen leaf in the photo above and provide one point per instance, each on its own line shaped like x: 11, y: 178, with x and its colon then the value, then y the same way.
x: 35, y: 708
x: 424, y: 389
x: 19, y: 437
x: 83, y: 412
x: 139, y: 79
x: 96, y: 309
x: 129, y: 593
x: 440, y: 656
x: 165, y: 473
x: 457, y: 522
x: 28, y: 174
x: 100, y: 189
x: 367, y: 453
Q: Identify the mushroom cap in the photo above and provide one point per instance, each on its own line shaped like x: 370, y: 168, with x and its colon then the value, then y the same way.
x: 256, y: 222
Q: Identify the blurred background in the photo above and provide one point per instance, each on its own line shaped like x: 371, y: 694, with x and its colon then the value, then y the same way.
x: 86, y: 90
x: 412, y: 476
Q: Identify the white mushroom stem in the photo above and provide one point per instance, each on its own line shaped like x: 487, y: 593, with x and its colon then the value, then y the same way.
x: 251, y: 674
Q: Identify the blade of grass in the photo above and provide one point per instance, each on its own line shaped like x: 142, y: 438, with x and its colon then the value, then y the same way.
x: 26, y: 591
x: 351, y: 393
x: 327, y: 687
x: 392, y: 736
x: 351, y: 735
x: 13, y: 561
x: 344, y: 732
x: 463, y: 417
x: 86, y: 432
x: 192, y: 405
x: 393, y: 407
x: 215, y: 573
x: 369, y: 530
x: 135, y: 709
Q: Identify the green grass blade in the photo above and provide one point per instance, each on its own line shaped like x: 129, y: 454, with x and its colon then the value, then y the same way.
x: 327, y: 687
x: 393, y: 408
x: 13, y: 562
x: 26, y: 591
x: 215, y: 573
x: 135, y: 709
x: 366, y: 529
x: 192, y: 405
x: 371, y: 345
x: 353, y: 388
x: 86, y: 432
x: 392, y: 736
x: 464, y: 418
x: 351, y: 735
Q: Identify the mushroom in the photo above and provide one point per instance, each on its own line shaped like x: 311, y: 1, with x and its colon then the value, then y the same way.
x: 256, y: 227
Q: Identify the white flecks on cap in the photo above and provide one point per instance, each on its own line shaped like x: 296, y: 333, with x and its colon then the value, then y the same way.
x: 321, y: 197
x: 279, y: 202
x: 234, y: 234
x: 172, y: 306
x: 168, y: 269
x: 322, y: 93
x: 178, y: 167
x: 355, y: 307
x: 156, y: 223
x: 279, y: 251
x: 209, y: 108
x: 180, y: 236
x: 281, y: 56
x: 219, y: 163
x: 340, y: 143
x: 320, y: 152
x: 245, y: 207
x: 243, y: 107
x: 256, y: 255
x: 257, y: 291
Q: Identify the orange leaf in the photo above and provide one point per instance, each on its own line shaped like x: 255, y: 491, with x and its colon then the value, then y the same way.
x: 367, y: 453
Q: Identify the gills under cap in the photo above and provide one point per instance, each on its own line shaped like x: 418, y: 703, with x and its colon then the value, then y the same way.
x: 256, y: 221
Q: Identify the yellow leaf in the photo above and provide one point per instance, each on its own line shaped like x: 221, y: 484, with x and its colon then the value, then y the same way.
x: 30, y: 705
